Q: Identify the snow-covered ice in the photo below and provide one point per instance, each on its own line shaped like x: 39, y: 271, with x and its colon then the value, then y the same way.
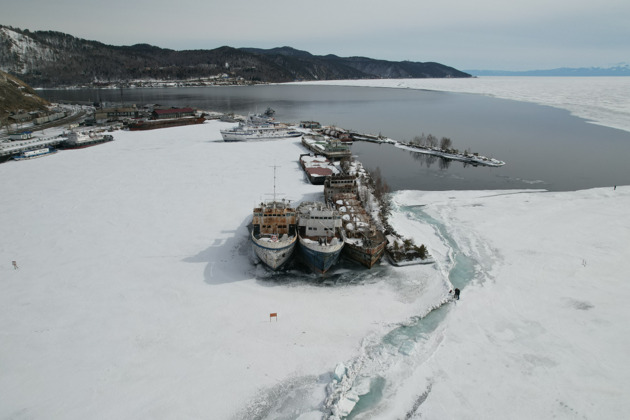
x: 136, y: 296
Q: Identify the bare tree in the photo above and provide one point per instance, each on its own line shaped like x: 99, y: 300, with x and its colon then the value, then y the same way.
x: 420, y: 140
x: 445, y: 143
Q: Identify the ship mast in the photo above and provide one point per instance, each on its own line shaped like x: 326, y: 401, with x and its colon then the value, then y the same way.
x: 274, y: 183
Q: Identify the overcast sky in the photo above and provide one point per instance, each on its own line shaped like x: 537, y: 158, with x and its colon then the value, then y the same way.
x: 482, y: 34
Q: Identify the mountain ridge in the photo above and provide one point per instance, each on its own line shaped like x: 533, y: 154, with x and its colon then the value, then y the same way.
x: 56, y: 59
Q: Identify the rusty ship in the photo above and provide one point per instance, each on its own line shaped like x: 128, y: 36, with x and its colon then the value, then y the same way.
x: 364, y: 243
x: 274, y: 232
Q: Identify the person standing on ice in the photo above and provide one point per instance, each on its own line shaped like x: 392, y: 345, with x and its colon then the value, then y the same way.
x: 456, y: 294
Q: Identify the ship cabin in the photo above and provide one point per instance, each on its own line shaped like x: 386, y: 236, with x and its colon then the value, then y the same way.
x: 319, y: 221
x: 274, y: 219
x: 339, y: 184
x: 24, y: 135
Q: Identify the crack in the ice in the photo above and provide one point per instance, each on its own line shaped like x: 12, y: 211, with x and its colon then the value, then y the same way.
x: 419, y: 401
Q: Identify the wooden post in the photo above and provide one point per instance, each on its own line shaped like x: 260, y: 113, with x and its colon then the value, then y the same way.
x: 273, y: 315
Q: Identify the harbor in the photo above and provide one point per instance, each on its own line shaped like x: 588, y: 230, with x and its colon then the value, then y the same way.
x: 349, y: 222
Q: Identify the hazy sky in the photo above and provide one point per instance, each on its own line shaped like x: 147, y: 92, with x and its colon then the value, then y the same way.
x: 482, y: 34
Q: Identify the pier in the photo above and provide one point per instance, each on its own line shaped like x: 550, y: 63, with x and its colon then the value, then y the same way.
x: 9, y: 149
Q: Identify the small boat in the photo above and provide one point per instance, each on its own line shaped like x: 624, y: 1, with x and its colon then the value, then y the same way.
x: 320, y: 235
x: 274, y: 234
x: 317, y: 168
x: 81, y: 139
x: 32, y: 154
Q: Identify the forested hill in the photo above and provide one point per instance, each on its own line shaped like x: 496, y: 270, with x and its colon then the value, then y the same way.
x: 52, y: 59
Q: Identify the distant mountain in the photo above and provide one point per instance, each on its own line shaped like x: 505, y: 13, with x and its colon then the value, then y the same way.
x: 619, y: 70
x: 53, y: 59
x: 17, y: 97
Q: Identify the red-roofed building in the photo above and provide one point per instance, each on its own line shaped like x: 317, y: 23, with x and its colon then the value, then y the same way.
x: 173, y: 113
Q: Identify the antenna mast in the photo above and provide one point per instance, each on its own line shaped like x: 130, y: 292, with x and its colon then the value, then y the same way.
x: 274, y: 183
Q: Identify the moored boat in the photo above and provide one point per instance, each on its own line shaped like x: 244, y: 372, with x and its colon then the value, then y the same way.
x: 317, y: 168
x: 245, y: 132
x: 320, y: 235
x: 274, y: 232
x: 81, y: 139
x: 364, y: 243
x: 329, y: 147
x: 32, y: 154
x: 164, y: 123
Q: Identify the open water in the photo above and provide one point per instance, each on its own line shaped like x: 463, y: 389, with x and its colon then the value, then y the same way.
x: 543, y: 147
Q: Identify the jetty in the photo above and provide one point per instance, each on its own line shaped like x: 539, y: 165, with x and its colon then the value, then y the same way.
x: 473, y: 159
x: 9, y: 149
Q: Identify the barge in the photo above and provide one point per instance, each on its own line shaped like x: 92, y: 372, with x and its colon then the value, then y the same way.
x: 317, y: 168
x: 330, y: 148
x: 164, y: 123
x: 364, y: 243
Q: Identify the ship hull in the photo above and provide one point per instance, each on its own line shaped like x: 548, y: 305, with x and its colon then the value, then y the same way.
x: 233, y: 136
x: 166, y: 123
x: 320, y: 257
x: 367, y: 256
x: 84, y: 144
x: 273, y: 254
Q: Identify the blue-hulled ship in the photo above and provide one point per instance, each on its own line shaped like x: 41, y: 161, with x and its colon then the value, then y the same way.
x: 320, y: 234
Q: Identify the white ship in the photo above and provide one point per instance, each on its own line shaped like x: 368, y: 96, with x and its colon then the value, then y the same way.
x: 274, y: 232
x: 245, y: 132
x: 320, y: 234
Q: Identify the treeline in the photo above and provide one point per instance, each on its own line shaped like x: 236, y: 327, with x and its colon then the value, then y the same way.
x: 445, y: 144
x: 431, y: 141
